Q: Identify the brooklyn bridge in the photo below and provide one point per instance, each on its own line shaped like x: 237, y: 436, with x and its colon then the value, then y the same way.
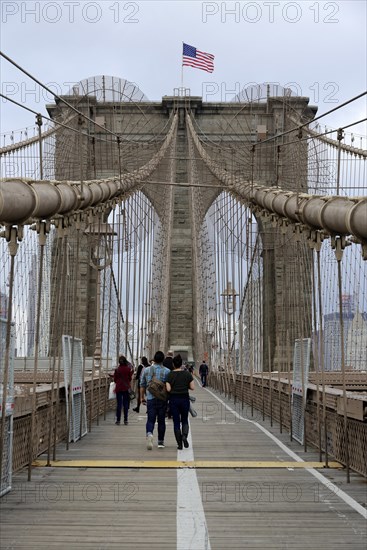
x: 232, y: 233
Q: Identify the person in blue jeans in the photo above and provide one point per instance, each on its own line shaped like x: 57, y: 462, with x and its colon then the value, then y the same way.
x: 122, y: 377
x: 156, y: 408
x: 178, y: 384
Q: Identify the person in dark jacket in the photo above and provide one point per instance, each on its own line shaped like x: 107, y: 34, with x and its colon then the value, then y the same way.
x: 178, y: 384
x: 203, y: 372
x: 168, y: 363
x: 144, y: 363
x: 122, y: 378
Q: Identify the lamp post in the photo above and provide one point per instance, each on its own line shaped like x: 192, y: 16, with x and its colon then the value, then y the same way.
x: 210, y: 332
x: 229, y: 296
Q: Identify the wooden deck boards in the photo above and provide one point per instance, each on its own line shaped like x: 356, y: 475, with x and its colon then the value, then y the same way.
x: 136, y: 508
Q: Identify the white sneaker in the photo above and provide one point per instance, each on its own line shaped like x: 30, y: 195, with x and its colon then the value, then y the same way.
x: 150, y: 442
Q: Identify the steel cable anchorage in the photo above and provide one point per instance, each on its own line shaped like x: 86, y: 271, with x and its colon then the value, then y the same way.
x: 333, y: 215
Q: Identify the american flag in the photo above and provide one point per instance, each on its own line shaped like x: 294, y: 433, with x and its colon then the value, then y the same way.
x: 191, y: 57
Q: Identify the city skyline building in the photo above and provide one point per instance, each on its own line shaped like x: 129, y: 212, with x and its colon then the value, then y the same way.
x: 4, y: 298
x: 355, y: 337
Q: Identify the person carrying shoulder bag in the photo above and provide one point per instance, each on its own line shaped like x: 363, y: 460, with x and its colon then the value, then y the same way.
x: 156, y: 408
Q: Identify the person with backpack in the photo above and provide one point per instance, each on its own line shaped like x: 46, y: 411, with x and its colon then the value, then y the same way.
x: 156, y: 406
x: 178, y: 384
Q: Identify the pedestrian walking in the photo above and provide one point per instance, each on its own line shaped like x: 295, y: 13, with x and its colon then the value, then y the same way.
x: 156, y: 408
x: 178, y: 384
x: 168, y: 360
x: 122, y: 378
x: 144, y: 363
x: 203, y: 372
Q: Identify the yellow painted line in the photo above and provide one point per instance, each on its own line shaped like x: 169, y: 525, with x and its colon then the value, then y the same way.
x: 174, y: 464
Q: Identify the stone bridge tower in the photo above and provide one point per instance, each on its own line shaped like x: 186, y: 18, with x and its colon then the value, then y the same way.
x: 241, y: 124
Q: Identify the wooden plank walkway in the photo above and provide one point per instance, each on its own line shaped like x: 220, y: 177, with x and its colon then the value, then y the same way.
x: 249, y: 491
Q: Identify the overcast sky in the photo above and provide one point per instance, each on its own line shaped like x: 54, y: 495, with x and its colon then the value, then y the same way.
x: 317, y: 48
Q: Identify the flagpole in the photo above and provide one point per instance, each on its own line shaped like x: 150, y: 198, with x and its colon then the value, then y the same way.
x: 182, y: 67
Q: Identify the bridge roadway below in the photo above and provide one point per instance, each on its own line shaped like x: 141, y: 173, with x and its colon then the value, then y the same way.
x: 163, y: 502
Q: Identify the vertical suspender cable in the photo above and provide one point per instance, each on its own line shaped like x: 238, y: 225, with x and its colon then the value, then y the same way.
x: 120, y: 255
x: 73, y: 327
x: 321, y: 346
x: 270, y: 384
x: 140, y: 267
x: 135, y: 277
x: 42, y: 243
x: 149, y: 313
x: 279, y: 388
x: 110, y: 295
x: 82, y: 404
x: 302, y: 288
x: 144, y: 333
x: 58, y: 262
x: 289, y: 387
x: 106, y: 379
x: 119, y: 250
x: 217, y: 300
x: 339, y: 137
x: 225, y: 220
x: 59, y: 339
x: 233, y: 338
x: 225, y: 262
x: 316, y: 357
x: 13, y: 247
x: 39, y: 124
x: 129, y: 251
x: 260, y: 323
x: 339, y: 255
x: 106, y: 261
x: 239, y: 214
x: 251, y: 316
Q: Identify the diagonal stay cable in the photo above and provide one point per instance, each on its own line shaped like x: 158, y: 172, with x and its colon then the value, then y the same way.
x: 59, y: 98
x: 36, y: 138
x: 296, y: 128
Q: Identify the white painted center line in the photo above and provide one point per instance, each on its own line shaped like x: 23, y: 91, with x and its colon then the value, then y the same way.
x: 192, y: 530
